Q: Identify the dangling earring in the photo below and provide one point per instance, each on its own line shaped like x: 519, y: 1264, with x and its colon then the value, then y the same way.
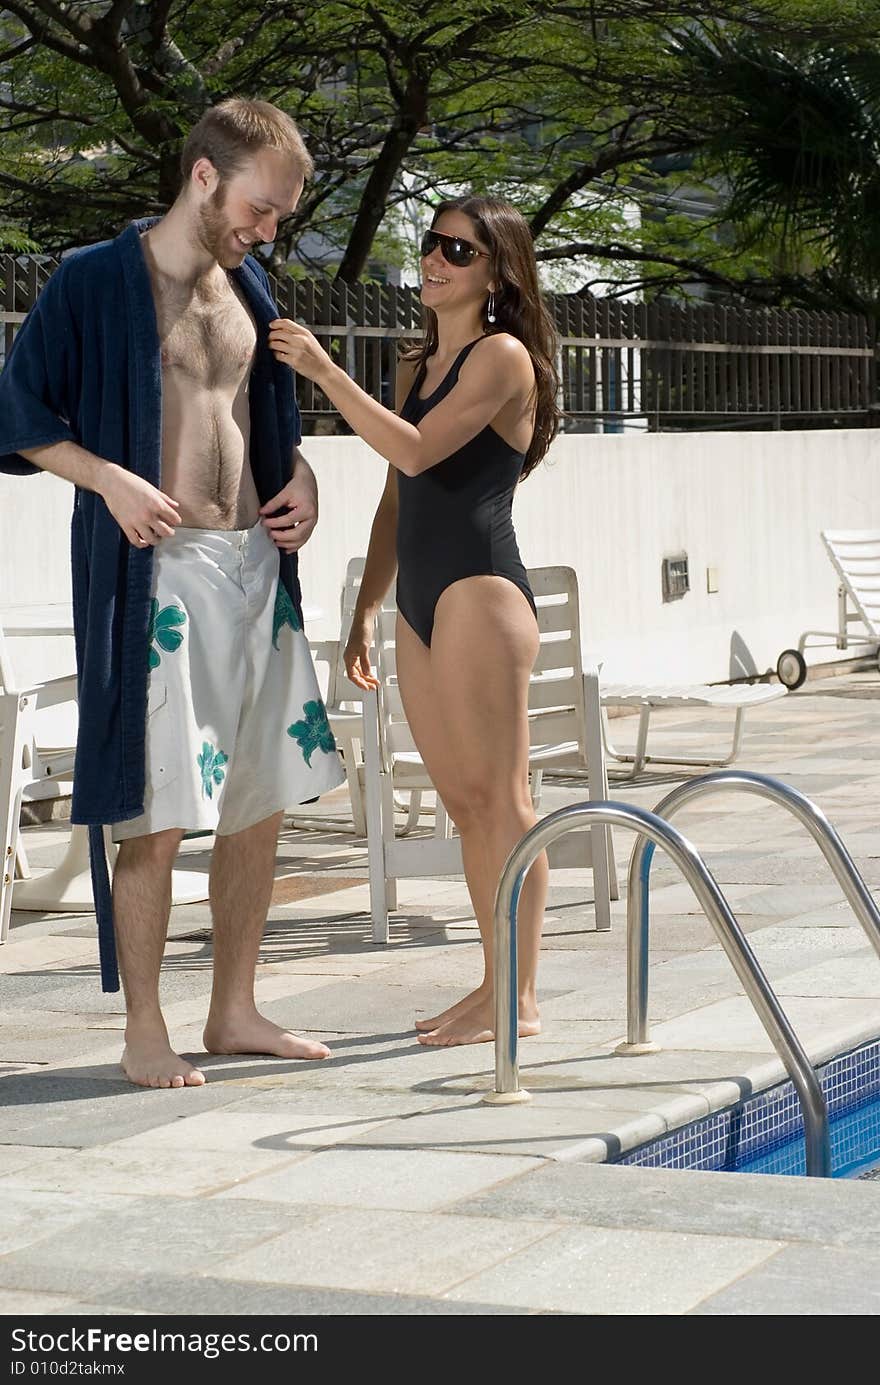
x: 490, y: 310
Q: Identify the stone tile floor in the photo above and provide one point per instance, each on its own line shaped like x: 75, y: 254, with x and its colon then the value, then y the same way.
x: 377, y: 1182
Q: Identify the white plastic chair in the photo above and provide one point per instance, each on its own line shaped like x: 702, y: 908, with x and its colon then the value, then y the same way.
x: 344, y: 703
x: 38, y: 726
x: 564, y: 731
x: 37, y: 744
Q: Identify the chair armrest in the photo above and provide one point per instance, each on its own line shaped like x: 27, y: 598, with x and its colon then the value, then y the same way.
x: 325, y: 651
x: 591, y: 662
x: 50, y: 693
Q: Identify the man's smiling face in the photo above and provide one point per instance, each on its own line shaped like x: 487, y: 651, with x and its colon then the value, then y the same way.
x: 244, y: 210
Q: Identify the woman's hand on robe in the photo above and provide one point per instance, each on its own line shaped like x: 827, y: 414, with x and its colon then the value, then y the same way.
x: 144, y: 514
x: 298, y: 348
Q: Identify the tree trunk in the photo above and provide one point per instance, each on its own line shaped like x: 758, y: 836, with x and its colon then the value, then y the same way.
x: 380, y: 182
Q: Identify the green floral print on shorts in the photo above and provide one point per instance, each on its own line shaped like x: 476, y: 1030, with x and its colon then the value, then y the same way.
x: 162, y: 630
x: 285, y: 613
x: 314, y: 733
x: 211, y: 762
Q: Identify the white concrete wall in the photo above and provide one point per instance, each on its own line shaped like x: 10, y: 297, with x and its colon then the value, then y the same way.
x: 612, y: 506
x: 749, y: 504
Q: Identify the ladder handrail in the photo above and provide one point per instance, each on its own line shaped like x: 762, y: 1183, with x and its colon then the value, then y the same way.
x: 803, y: 808
x: 652, y: 827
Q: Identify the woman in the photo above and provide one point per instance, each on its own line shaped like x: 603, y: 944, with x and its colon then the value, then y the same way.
x: 477, y: 406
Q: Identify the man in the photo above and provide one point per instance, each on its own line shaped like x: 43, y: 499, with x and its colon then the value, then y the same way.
x: 143, y: 375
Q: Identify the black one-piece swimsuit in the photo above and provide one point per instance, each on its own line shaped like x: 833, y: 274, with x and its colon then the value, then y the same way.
x: 454, y: 520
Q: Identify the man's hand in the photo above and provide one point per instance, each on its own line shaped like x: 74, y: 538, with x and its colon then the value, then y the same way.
x: 291, y: 515
x: 144, y: 514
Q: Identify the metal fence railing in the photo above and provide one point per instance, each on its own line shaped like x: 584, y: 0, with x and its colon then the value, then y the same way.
x: 657, y: 365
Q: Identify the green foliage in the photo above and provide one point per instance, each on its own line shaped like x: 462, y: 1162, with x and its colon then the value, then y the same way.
x: 608, y: 122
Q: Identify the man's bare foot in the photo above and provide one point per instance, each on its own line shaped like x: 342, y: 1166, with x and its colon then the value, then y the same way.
x: 477, y: 997
x: 148, y: 1060
x: 254, y: 1034
x: 476, y: 1026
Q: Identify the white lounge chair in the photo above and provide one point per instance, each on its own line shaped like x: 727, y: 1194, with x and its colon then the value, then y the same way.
x: 855, y: 557
x: 736, y: 697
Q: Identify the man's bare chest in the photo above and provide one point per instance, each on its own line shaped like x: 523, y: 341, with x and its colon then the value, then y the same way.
x: 208, y: 341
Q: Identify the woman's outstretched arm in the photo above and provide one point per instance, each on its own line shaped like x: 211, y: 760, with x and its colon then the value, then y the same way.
x: 498, y: 371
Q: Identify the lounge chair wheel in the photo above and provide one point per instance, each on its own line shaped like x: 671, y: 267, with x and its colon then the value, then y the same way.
x: 791, y: 668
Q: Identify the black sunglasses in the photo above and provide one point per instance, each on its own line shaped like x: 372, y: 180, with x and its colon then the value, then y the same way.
x: 453, y: 249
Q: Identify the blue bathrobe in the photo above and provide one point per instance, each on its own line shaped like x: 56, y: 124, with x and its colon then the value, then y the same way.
x: 85, y: 368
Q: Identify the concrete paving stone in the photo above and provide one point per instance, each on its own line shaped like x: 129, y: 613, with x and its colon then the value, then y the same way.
x: 143, y: 1234
x: 50, y: 952
x: 380, y: 1250
x: 350, y: 966
x: 14, y: 1069
x: 63, y: 1109
x: 734, y: 1024
x: 803, y: 1281
x: 30, y: 1217
x: 680, y: 899
x: 204, y: 1295
x: 855, y: 975
x: 688, y: 1070
x: 567, y: 1132
x: 673, y: 1106
x: 838, y: 915
x: 785, y: 901
x: 139, y: 1171
x: 831, y: 1211
x: 21, y: 990
x: 380, y: 1009
x: 64, y: 1022
x: 21, y: 1303
x: 594, y: 1270
x: 709, y: 981
x: 585, y: 1035
x: 410, y: 1066
x: 780, y: 868
x: 670, y: 934
x: 55, y: 1048
x: 281, y: 1121
x: 410, y: 1181
x: 809, y: 944
x: 16, y: 1157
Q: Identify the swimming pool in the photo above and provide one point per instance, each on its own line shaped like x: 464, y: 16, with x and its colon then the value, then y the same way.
x: 855, y: 1147
x: 764, y: 1133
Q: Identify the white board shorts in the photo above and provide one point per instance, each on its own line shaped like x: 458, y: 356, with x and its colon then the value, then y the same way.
x: 236, y: 727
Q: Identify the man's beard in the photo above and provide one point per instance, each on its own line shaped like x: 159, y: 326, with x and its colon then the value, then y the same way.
x: 214, y: 231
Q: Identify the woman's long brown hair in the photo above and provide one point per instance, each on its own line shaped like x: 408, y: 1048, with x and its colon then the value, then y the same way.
x: 519, y: 307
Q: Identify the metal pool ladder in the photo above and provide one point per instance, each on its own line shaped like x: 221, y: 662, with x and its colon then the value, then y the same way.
x: 654, y: 830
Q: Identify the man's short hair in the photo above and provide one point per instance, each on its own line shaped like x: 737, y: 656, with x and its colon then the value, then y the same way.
x: 232, y: 132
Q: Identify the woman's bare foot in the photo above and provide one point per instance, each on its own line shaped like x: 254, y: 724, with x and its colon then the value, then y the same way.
x: 477, y: 997
x: 476, y: 1026
x: 255, y: 1034
x: 148, y: 1060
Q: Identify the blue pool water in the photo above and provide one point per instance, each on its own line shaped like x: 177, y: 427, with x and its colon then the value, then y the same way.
x: 764, y: 1132
x: 855, y: 1147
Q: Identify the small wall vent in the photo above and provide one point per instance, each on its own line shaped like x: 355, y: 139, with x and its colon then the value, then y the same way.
x: 675, y: 576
